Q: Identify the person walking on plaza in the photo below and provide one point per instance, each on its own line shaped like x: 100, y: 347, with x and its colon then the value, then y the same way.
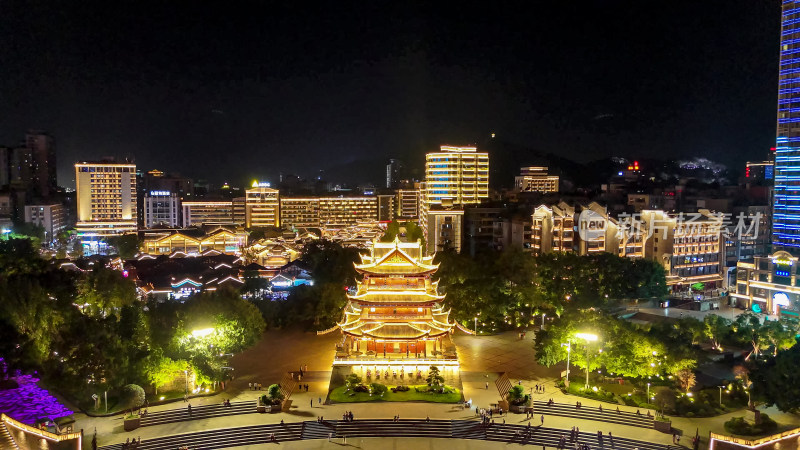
x: 542, y: 419
x: 190, y: 409
x: 312, y: 402
x: 319, y: 401
x: 487, y: 385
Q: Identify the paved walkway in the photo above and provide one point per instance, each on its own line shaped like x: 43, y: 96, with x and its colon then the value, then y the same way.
x: 483, y: 359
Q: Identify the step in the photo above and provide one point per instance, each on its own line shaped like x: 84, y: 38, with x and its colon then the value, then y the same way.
x: 6, y: 440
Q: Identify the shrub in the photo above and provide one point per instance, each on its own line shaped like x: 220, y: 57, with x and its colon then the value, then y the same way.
x: 378, y: 389
x: 353, y: 380
x: 361, y: 388
x: 738, y: 425
x: 516, y: 392
x: 132, y: 396
x: 274, y: 392
x: 400, y: 389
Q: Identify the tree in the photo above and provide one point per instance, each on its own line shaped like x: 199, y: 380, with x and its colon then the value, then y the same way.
x: 102, y: 291
x: 274, y: 392
x: 127, y: 245
x: 686, y: 379
x: 748, y: 329
x: 131, y: 396
x: 776, y: 380
x: 716, y: 329
x: 434, y: 378
x: 780, y: 334
x: 161, y: 370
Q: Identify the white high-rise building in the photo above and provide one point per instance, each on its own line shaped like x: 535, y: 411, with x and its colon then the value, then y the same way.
x: 161, y: 208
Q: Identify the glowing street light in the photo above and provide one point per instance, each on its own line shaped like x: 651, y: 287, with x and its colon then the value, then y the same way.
x: 586, y: 337
x: 202, y: 332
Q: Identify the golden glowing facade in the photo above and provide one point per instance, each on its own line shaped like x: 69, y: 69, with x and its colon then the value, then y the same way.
x: 456, y: 175
x: 296, y: 212
x: 106, y: 197
x: 690, y: 247
x: 396, y: 309
x: 536, y: 179
x: 221, y: 240
x: 261, y: 207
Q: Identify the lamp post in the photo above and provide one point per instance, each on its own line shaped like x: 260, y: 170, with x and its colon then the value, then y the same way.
x: 569, y: 349
x: 648, y: 392
x: 720, y: 395
x: 186, y: 375
x: 588, y: 338
x: 543, y: 314
x: 476, y: 326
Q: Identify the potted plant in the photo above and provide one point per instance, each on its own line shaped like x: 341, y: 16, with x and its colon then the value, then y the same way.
x: 131, y: 398
x: 275, y: 398
x: 518, y: 400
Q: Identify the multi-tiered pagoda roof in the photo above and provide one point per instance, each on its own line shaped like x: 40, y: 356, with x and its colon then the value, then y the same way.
x: 396, y: 300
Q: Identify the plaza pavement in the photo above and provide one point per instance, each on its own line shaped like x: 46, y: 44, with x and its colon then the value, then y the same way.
x: 483, y: 358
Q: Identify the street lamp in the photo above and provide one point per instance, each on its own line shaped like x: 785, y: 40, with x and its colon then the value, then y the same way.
x: 648, y: 392
x: 569, y: 349
x: 543, y: 314
x: 586, y: 337
x: 476, y: 326
x: 720, y: 395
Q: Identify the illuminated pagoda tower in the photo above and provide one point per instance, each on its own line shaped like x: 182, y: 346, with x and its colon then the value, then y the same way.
x: 395, y: 313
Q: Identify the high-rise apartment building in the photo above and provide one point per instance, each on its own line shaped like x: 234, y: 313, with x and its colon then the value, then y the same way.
x: 261, y: 206
x: 536, y: 179
x: 786, y: 208
x: 43, y: 182
x: 161, y: 208
x: 553, y: 229
x: 299, y: 212
x: 106, y: 195
x: 456, y: 175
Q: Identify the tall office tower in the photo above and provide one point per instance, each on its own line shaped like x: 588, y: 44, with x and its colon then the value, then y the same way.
x: 261, y: 206
x: 161, y: 208
x: 385, y: 207
x: 20, y: 167
x: 457, y: 175
x: 42, y: 148
x: 786, y: 208
x: 106, y: 193
x: 393, y: 173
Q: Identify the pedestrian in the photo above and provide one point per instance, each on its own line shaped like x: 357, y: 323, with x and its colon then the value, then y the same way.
x: 542, y: 419
x: 542, y: 389
x: 678, y: 439
x: 250, y: 386
x: 504, y: 421
x: 190, y: 409
x: 344, y: 439
x: 312, y: 402
x: 487, y: 385
x: 329, y: 437
x: 319, y: 400
x: 611, y: 438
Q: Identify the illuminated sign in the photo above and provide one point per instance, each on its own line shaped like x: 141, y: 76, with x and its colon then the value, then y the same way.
x: 783, y: 262
x: 756, y: 308
x: 160, y: 193
x: 257, y: 183
x: 782, y: 273
x: 780, y: 299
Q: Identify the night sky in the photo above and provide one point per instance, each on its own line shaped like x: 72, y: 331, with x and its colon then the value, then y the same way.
x: 240, y: 90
